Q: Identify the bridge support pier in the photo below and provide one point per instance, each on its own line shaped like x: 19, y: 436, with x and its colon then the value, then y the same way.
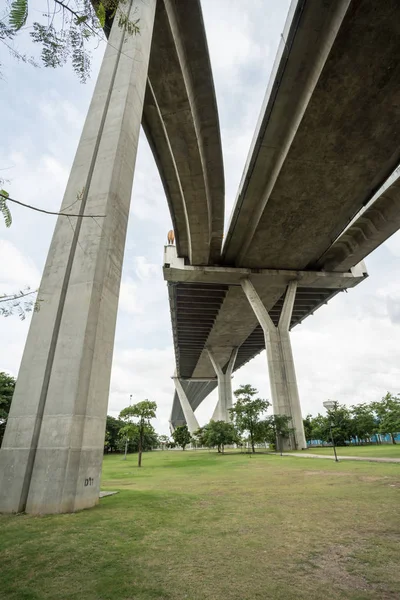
x: 52, y: 452
x: 221, y: 412
x: 191, y: 421
x: 282, y: 375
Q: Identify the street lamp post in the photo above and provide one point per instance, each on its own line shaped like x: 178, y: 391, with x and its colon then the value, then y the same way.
x: 330, y: 405
x: 126, y: 447
x: 127, y: 439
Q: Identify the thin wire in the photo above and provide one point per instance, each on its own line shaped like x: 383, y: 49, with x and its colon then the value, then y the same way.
x: 50, y: 212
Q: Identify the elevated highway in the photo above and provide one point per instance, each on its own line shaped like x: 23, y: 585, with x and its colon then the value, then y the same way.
x: 327, y: 138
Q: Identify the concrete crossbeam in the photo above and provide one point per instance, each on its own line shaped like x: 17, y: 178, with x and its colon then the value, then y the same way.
x: 52, y: 452
x: 175, y: 271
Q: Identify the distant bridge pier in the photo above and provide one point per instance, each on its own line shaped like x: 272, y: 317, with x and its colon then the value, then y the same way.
x: 282, y: 374
x: 190, y: 417
x: 52, y: 452
x: 224, y: 376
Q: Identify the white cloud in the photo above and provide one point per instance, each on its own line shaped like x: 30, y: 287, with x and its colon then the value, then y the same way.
x: 17, y: 270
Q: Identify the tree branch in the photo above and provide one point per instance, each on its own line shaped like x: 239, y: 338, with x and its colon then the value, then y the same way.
x: 49, y: 212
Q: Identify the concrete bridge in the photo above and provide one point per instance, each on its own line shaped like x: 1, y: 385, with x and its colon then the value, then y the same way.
x: 327, y: 138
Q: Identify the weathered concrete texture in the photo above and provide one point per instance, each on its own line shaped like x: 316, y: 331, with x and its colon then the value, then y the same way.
x: 307, y: 178
x: 52, y: 452
x: 187, y: 410
x: 373, y: 227
x: 105, y: 494
x: 224, y: 375
x: 181, y: 122
x: 282, y: 375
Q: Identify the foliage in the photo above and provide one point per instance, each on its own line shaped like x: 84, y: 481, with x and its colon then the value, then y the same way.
x: 19, y: 303
x: 163, y: 441
x: 7, y: 386
x: 308, y: 427
x: 363, y: 421
x: 274, y: 429
x: 113, y: 427
x: 388, y: 414
x: 182, y: 436
x: 66, y: 29
x: 4, y: 209
x: 217, y: 434
x: 247, y: 411
x: 138, y: 416
x: 130, y: 432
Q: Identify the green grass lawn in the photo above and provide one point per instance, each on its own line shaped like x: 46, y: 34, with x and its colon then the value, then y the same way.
x: 198, y: 526
x: 375, y: 450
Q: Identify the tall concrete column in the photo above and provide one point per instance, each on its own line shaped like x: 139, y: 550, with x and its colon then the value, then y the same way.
x: 188, y: 412
x: 282, y: 375
x: 221, y: 412
x: 51, y: 457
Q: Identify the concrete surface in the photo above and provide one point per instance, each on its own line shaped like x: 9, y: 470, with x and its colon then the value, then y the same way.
x: 180, y: 120
x: 282, y: 373
x: 51, y: 457
x: 224, y: 375
x: 328, y: 134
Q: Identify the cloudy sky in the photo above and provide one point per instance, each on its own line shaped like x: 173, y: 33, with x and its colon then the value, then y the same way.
x: 348, y: 351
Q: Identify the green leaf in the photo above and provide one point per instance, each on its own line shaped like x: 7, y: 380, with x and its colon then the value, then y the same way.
x: 4, y: 210
x: 101, y: 14
x: 18, y: 14
x: 81, y: 19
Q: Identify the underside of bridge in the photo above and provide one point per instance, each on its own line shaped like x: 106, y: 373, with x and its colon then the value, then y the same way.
x: 327, y: 139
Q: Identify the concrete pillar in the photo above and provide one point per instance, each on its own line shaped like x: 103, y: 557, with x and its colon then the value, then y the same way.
x: 282, y: 375
x: 221, y: 412
x: 188, y: 412
x: 51, y: 457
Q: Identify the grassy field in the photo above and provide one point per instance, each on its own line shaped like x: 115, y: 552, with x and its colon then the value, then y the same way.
x: 199, y: 526
x: 378, y: 450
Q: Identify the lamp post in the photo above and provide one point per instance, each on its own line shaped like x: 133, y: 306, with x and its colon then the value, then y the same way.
x: 126, y: 447
x: 127, y: 439
x: 330, y: 405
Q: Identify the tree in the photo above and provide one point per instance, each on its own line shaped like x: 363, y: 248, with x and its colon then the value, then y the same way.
x: 341, y: 422
x: 113, y: 427
x: 182, y: 436
x: 308, y: 427
x: 200, y: 436
x: 388, y: 415
x: 218, y: 434
x: 143, y: 411
x: 65, y: 30
x: 7, y: 386
x: 163, y: 441
x: 247, y: 411
x: 364, y: 423
x: 274, y: 429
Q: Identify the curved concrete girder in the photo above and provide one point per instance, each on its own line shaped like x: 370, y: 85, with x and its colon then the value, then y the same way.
x: 376, y: 224
x: 344, y: 148
x: 180, y: 120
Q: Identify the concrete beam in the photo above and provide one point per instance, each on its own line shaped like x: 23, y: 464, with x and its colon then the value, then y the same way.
x: 52, y: 452
x: 282, y: 375
x: 176, y: 271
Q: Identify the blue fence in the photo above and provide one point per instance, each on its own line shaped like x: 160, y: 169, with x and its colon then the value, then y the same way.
x: 384, y: 438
